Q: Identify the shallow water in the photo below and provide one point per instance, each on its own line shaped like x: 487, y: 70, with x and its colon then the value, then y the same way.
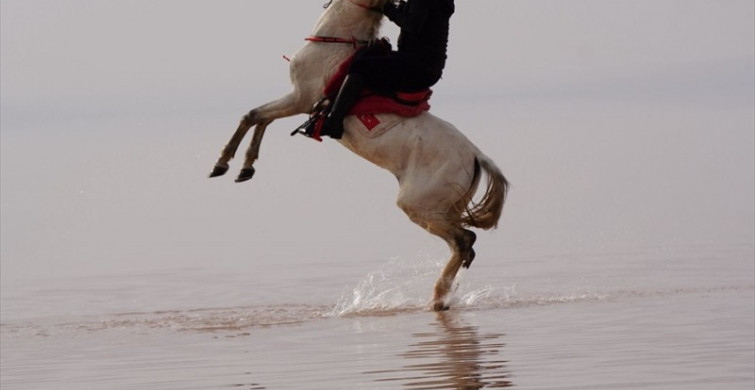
x: 652, y: 318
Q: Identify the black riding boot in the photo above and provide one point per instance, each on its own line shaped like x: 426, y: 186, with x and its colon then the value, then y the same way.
x: 347, y: 96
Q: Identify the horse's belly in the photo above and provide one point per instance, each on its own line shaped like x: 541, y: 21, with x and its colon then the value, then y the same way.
x: 397, y: 143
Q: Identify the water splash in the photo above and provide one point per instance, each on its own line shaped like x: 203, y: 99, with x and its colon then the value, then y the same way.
x: 401, y: 285
x: 405, y: 286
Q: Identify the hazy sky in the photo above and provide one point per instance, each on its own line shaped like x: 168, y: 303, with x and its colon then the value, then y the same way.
x: 619, y: 123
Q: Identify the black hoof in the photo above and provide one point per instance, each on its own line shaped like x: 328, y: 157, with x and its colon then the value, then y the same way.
x: 440, y: 306
x: 219, y: 170
x: 245, y: 175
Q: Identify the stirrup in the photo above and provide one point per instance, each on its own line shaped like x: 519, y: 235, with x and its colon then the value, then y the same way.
x: 317, y: 115
x: 307, y: 128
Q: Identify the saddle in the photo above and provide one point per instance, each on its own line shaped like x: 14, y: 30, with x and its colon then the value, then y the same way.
x: 370, y: 104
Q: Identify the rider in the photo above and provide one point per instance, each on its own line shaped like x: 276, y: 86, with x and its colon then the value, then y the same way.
x: 416, y: 65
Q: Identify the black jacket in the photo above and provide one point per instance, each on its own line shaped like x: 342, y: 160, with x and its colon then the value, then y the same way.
x: 424, y: 29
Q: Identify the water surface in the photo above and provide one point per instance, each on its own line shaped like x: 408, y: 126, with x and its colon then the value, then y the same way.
x: 654, y: 318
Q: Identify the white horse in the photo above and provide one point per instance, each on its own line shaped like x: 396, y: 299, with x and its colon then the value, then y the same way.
x: 437, y: 167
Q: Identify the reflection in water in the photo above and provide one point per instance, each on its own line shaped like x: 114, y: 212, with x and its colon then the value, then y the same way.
x: 453, y: 356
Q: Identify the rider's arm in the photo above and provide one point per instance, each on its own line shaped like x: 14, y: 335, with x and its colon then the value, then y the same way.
x: 409, y: 15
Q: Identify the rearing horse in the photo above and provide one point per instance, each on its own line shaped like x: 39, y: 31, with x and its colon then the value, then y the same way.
x: 437, y: 167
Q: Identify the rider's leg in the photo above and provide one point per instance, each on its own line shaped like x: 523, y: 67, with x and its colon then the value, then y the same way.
x: 347, y: 96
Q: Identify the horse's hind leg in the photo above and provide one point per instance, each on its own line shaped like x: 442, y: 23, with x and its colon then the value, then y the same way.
x: 459, y: 240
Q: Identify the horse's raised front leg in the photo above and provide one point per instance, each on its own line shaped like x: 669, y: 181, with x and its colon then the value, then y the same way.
x: 229, y: 150
x: 252, y: 153
x: 260, y: 116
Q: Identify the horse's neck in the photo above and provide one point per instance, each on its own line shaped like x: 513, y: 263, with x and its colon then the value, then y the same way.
x: 343, y: 19
x: 315, y: 63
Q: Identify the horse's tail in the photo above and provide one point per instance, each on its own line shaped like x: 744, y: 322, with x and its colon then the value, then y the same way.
x: 486, y: 212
